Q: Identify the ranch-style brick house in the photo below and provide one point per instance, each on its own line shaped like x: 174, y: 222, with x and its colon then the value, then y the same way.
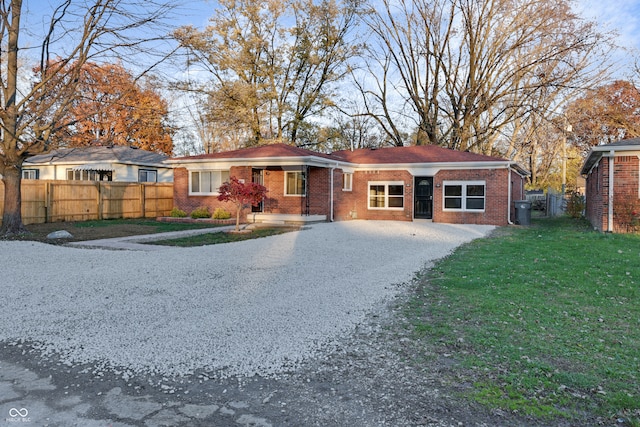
x: 613, y: 186
x: 396, y: 183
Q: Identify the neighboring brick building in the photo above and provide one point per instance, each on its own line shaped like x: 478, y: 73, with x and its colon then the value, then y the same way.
x: 613, y: 186
x: 398, y: 183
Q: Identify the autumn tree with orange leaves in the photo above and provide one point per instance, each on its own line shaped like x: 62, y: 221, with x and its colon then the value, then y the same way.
x: 607, y: 114
x: 62, y: 37
x: 115, y: 109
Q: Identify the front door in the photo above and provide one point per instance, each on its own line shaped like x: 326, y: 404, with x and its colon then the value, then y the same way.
x: 423, y: 199
x: 257, y: 176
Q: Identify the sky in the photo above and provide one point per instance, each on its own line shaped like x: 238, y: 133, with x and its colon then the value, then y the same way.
x: 621, y: 16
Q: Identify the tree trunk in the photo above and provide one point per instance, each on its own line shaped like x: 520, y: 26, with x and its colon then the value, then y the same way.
x: 238, y: 209
x: 12, y: 218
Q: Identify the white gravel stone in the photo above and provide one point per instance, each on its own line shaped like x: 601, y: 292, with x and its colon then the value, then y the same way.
x: 253, y: 307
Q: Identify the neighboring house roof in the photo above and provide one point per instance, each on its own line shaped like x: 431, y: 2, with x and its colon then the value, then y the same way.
x: 278, y: 153
x: 99, y: 156
x: 598, y: 151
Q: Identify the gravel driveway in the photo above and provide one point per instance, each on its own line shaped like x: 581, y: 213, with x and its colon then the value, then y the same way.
x: 255, y: 307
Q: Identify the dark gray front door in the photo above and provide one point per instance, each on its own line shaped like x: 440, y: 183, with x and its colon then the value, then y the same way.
x: 257, y: 176
x: 423, y: 202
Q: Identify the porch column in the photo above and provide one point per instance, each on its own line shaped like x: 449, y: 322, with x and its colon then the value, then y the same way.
x: 610, y: 207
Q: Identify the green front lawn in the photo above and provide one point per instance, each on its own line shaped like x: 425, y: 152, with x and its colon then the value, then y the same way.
x: 543, y: 320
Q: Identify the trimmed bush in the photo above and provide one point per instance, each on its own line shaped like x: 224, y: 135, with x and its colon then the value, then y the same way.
x: 178, y: 213
x: 201, y: 212
x: 221, y: 213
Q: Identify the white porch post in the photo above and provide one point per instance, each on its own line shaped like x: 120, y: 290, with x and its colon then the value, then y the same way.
x: 611, y: 175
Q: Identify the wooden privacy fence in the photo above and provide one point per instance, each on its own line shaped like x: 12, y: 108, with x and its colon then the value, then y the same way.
x: 51, y: 201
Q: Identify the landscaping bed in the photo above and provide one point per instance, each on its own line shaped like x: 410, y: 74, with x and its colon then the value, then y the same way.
x: 105, y: 229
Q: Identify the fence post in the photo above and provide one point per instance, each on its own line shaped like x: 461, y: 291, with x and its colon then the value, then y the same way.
x: 143, y: 200
x: 99, y: 188
x: 47, y: 201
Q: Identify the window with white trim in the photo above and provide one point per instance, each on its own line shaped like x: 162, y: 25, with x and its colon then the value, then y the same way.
x: 295, y: 183
x: 89, y: 175
x: 347, y: 181
x: 30, y: 174
x: 386, y: 195
x: 464, y: 195
x: 207, y: 182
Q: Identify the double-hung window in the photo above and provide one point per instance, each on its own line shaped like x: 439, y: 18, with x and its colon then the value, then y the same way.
x: 295, y: 184
x: 207, y: 182
x: 464, y: 195
x: 386, y: 195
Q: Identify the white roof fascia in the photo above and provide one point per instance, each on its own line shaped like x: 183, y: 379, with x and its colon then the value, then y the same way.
x: 609, y: 148
x: 433, y: 168
x: 146, y: 164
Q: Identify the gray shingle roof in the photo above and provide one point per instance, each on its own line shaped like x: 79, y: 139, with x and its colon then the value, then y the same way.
x: 103, y: 154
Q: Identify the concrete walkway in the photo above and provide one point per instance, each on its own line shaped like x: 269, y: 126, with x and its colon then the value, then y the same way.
x: 140, y: 243
x: 68, y: 398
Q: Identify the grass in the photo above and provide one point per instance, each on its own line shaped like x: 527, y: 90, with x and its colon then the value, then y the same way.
x: 544, y: 320
x: 216, y: 238
x: 156, y: 226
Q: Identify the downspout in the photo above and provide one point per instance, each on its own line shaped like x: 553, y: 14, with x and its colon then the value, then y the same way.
x: 331, y: 190
x: 611, y: 175
x: 509, y: 195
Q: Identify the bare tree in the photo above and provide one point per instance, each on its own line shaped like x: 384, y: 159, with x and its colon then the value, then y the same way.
x: 465, y: 70
x: 99, y: 30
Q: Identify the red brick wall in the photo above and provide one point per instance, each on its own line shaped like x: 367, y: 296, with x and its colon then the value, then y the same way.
x: 625, y: 193
x: 626, y: 200
x: 496, y: 196
x: 275, y: 202
x: 317, y: 189
x: 186, y: 202
x: 355, y: 204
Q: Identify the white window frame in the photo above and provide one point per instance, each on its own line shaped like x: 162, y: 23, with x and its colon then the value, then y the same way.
x: 386, y: 195
x: 464, y: 196
x: 83, y: 175
x: 222, y: 177
x: 347, y: 181
x: 30, y: 174
x: 302, y: 176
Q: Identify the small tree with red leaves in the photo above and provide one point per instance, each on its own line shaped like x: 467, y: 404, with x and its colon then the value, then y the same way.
x: 241, y: 194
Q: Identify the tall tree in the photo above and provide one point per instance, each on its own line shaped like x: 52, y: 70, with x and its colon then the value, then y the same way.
x: 463, y: 70
x: 273, y: 63
x: 113, y: 108
x: 75, y: 32
x: 606, y: 114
